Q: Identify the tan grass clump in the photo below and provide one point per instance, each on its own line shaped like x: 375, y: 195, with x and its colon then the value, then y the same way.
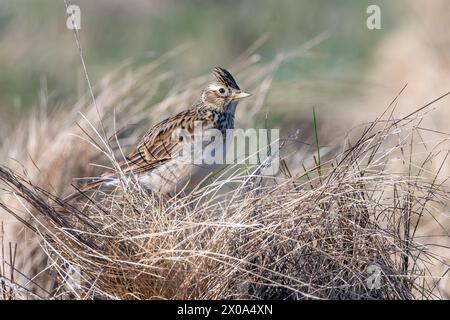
x: 52, y: 145
x: 346, y: 227
x: 343, y: 229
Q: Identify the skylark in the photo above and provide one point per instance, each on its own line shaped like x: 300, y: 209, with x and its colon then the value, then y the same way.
x: 160, y: 162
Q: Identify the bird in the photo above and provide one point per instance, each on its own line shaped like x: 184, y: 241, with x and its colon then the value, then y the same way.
x: 159, y: 162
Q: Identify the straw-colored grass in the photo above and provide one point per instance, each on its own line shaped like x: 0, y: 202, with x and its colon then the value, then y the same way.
x: 344, y: 228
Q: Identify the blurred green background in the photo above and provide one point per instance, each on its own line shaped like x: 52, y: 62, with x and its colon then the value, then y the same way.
x: 37, y: 50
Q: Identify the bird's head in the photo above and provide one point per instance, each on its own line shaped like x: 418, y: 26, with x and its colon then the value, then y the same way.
x: 223, y: 90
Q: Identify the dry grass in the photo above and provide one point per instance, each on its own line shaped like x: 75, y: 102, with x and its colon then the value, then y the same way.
x: 322, y: 231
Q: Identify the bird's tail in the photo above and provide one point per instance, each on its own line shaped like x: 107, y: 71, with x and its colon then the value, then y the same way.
x: 92, y: 184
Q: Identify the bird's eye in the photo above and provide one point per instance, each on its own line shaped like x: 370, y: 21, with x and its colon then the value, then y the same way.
x: 222, y: 90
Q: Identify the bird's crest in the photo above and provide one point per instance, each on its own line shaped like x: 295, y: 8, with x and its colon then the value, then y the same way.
x: 224, y: 77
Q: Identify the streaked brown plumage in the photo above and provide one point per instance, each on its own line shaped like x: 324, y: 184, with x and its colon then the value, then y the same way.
x: 156, y: 160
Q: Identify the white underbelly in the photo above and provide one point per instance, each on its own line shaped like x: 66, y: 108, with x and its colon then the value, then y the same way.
x: 183, y: 171
x: 174, y: 176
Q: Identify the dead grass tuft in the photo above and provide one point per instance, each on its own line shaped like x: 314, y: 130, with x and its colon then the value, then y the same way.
x: 345, y: 227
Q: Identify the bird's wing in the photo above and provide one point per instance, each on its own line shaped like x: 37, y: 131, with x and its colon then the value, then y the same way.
x: 156, y: 147
x: 160, y: 144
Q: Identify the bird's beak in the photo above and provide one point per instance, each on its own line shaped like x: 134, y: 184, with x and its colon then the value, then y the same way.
x: 240, y: 95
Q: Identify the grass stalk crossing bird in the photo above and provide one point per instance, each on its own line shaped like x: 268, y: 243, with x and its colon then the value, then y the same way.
x: 158, y: 161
